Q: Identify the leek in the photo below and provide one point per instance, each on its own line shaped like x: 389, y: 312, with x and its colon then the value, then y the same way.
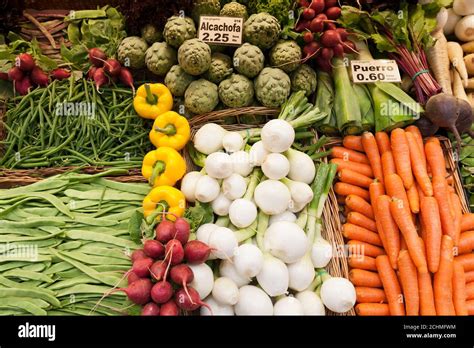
x: 325, y: 102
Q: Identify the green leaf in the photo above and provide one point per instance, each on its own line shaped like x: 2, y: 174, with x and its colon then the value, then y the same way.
x: 134, y: 225
x: 199, y: 215
x: 6, y: 90
x: 383, y: 44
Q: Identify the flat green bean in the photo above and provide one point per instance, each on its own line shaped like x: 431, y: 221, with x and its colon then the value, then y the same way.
x: 34, y: 293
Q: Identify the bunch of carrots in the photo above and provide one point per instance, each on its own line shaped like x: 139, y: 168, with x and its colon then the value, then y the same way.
x: 411, y: 246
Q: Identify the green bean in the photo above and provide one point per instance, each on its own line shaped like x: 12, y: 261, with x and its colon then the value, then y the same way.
x: 15, y: 238
x: 46, y: 221
x: 98, y: 260
x: 91, y: 249
x: 82, y: 289
x: 34, y: 293
x: 35, y: 258
x: 82, y: 279
x: 45, y: 212
x: 110, y: 195
x: 11, y: 265
x: 25, y: 305
x: 58, y: 267
x: 91, y: 221
x: 70, y: 245
x: 36, y: 267
x: 142, y: 189
x: 21, y: 273
x: 43, y: 185
x: 98, y: 237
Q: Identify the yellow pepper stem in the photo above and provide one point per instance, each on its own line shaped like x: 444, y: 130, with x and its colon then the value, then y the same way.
x: 151, y: 98
x: 161, y: 207
x: 170, y: 129
x: 158, y: 168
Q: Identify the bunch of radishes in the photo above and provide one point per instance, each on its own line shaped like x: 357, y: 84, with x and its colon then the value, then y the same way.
x: 106, y: 70
x: 159, y: 279
x: 324, y: 40
x: 26, y: 74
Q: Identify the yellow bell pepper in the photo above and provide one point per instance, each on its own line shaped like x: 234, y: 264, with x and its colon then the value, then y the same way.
x: 164, y: 199
x: 152, y: 100
x: 171, y: 130
x: 163, y: 166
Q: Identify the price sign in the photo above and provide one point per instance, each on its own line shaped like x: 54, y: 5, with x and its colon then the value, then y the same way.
x: 221, y: 30
x: 368, y: 71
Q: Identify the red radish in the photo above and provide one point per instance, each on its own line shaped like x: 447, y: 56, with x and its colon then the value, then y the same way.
x: 39, y: 77
x: 196, y: 251
x: 303, y: 3
x: 112, y: 67
x: 141, y: 267
x: 169, y: 309
x: 317, y: 5
x: 330, y: 38
x: 161, y: 292
x: 174, y: 251
x: 324, y: 64
x: 91, y: 72
x: 349, y: 47
x: 330, y: 25
x: 165, y: 231
x: 322, y: 17
x: 311, y: 49
x: 100, y: 78
x: 308, y: 37
x: 190, y: 300
x: 25, y: 62
x: 60, y: 74
x: 126, y: 78
x: 302, y: 25
x: 132, y: 277
x: 15, y: 74
x: 308, y: 13
x: 182, y: 275
x: 331, y: 3
x: 316, y: 25
x: 139, y: 291
x: 158, y: 270
x: 338, y: 50
x: 327, y: 53
x: 23, y: 86
x: 4, y: 76
x: 151, y: 309
x: 97, y: 57
x: 342, y: 33
x: 138, y: 254
x: 333, y: 12
x: 153, y: 248
x: 182, y: 230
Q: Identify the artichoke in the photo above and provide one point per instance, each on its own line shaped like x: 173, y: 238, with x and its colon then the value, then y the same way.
x: 205, y: 8
x: 249, y: 60
x: 286, y: 55
x: 272, y: 87
x: 179, y: 29
x: 236, y: 91
x: 304, y: 78
x: 131, y: 52
x: 221, y: 67
x: 151, y: 34
x: 194, y: 56
x: 177, y: 80
x: 160, y: 57
x: 262, y: 30
x: 201, y: 96
x: 234, y: 9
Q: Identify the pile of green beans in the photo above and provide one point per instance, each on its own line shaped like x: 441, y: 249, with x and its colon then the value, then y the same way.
x: 40, y: 136
x: 64, y: 243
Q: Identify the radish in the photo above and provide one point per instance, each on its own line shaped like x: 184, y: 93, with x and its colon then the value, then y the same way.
x: 153, y: 249
x: 139, y: 291
x: 303, y: 3
x: 207, y: 189
x: 196, y: 251
x: 60, y: 74
x: 182, y: 230
x: 23, y: 86
x: 312, y: 304
x: 218, y: 165
x: 330, y: 38
x: 286, y: 240
x: 15, y: 74
x: 288, y: 305
x: 316, y: 25
x: 165, y: 231
x: 233, y: 142
x: 234, y: 186
x: 100, y: 78
x: 333, y: 13
x: 302, y: 25
x: 203, y: 280
x: 329, y: 25
x: 138, y: 254
x: 216, y: 308
x: 151, y: 309
x: 308, y: 37
x: 253, y: 301
x: 112, y: 67
x: 189, y: 300
x: 169, y: 309
x: 327, y: 53
x: 220, y: 206
x: 248, y: 260
x: 338, y: 294
x: 324, y: 64
x: 97, y: 57
x: 204, y: 231
x: 331, y: 3
x: 338, y: 50
x: 131, y: 277
x: 126, y: 78
x: 174, y: 252
x: 3, y: 76
x: 161, y: 292
x: 25, y: 62
x: 225, y: 291
x: 188, y: 185
x: 342, y: 33
x: 223, y: 242
x: 141, y: 267
x: 311, y: 50
x: 285, y: 216
x: 91, y: 72
x: 227, y: 269
x: 258, y: 153
x: 308, y: 13
x: 301, y: 273
x: 317, y: 5
x: 241, y: 163
x: 349, y: 47
x: 158, y: 270
x: 274, y: 277
x: 182, y: 275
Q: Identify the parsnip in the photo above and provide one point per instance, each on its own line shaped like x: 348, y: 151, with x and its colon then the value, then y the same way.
x: 469, y: 62
x: 468, y: 47
x: 458, y: 87
x: 439, y: 61
x: 455, y: 54
x: 470, y: 83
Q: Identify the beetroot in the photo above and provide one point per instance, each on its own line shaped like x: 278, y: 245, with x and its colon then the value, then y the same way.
x: 169, y: 309
x: 139, y: 291
x: 317, y: 5
x: 132, y: 277
x: 141, y: 267
x: 23, y: 86
x: 161, y: 292
x: 15, y: 74
x: 158, y: 270
x: 182, y: 275
x: 189, y: 300
x: 427, y: 128
x: 182, y: 230
x: 333, y: 12
x: 138, y: 254
x: 25, y: 62
x: 39, y: 77
x: 308, y: 37
x: 330, y: 38
x: 174, y: 252
x: 60, y: 74
x: 100, y: 78
x: 196, y: 251
x: 126, y: 78
x: 165, y: 231
x: 112, y: 67
x: 308, y: 13
x: 153, y: 248
x: 151, y: 309
x: 97, y: 57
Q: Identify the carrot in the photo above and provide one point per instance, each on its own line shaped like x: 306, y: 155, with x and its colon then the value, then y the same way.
x: 460, y: 292
x: 360, y: 277
x: 362, y: 221
x: 467, y: 261
x: 427, y: 305
x: 409, y: 281
x: 350, y: 177
x: 413, y: 199
x: 467, y: 222
x: 469, y: 276
x: 441, y: 194
x: 466, y: 242
x: 388, y: 164
x: 432, y: 229
x: 395, y: 189
x: 403, y: 244
x: 353, y: 142
x: 362, y: 262
x: 370, y: 146
x: 408, y: 230
x: 470, y: 307
x: 355, y: 203
x: 348, y: 155
x: 360, y: 168
x: 372, y: 309
x: 443, y: 286
x: 351, y: 231
x: 419, y: 140
x: 435, y: 158
x: 391, y: 285
x: 401, y: 155
x: 390, y: 228
x: 418, y: 166
x: 457, y: 207
x: 370, y: 295
x: 356, y: 247
x: 383, y: 142
x: 376, y: 189
x: 343, y: 189
x: 469, y: 291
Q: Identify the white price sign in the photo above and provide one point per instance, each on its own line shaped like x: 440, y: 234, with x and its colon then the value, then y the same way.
x: 368, y: 71
x: 221, y: 30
